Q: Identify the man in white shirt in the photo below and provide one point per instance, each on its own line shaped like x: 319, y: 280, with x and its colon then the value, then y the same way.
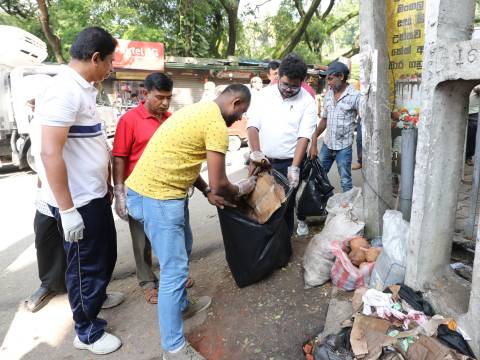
x: 280, y: 124
x: 76, y: 160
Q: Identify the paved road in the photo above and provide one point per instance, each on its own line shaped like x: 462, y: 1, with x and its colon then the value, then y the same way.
x: 48, y: 333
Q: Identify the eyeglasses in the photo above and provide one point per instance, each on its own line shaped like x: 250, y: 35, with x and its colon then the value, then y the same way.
x: 289, y: 87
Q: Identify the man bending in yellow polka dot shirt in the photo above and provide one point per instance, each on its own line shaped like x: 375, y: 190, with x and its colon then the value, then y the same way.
x: 157, y: 197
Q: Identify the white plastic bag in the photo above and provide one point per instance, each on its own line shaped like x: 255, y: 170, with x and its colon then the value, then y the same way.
x: 350, y: 201
x: 390, y: 266
x: 395, y: 236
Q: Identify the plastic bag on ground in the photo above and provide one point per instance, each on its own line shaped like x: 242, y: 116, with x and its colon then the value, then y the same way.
x: 332, y: 349
x: 317, y: 190
x: 390, y: 266
x: 344, y: 274
x: 414, y: 299
x: 253, y: 250
x: 341, y: 203
x: 454, y: 340
x: 319, y: 259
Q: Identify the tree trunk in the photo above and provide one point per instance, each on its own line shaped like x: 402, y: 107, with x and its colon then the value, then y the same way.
x: 231, y: 7
x: 290, y: 44
x: 52, y: 39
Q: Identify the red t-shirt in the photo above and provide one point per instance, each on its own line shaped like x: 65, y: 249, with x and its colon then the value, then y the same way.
x: 134, y: 130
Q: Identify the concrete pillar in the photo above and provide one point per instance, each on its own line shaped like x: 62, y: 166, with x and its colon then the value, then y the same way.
x: 450, y: 70
x: 441, y: 135
x: 377, y: 143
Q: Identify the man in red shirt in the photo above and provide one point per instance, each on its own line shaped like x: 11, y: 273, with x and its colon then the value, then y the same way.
x: 134, y: 130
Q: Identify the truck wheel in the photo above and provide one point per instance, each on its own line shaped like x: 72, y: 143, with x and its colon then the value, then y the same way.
x: 234, y: 143
x: 30, y: 158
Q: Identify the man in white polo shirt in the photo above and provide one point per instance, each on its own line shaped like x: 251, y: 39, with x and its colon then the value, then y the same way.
x: 76, y: 160
x: 281, y: 123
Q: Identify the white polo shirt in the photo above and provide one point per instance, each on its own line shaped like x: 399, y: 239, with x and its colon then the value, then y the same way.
x: 70, y: 101
x: 281, y: 122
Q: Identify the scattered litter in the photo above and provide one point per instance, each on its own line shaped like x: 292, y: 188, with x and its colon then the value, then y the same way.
x: 415, y: 299
x: 454, y: 340
x: 463, y: 270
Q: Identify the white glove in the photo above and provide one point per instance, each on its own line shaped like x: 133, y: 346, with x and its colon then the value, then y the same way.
x: 120, y: 201
x: 246, y: 186
x: 72, y: 224
x: 259, y: 158
x: 293, y: 176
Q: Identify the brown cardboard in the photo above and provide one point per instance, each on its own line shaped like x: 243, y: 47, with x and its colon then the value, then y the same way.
x: 369, y: 336
x: 429, y: 348
x: 266, y: 198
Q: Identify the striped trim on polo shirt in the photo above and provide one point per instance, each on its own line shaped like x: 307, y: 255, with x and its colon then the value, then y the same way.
x: 85, y: 131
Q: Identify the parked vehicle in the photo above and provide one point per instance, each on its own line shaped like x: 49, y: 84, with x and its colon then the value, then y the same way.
x: 23, y: 77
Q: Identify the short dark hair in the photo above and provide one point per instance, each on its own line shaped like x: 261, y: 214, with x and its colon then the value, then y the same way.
x: 273, y: 65
x: 293, y: 67
x: 91, y: 40
x: 158, y: 81
x: 238, y: 89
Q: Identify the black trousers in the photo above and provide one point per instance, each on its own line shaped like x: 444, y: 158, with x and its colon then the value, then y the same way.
x: 50, y: 254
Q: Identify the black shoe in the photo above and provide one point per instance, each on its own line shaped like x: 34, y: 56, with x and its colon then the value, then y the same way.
x: 39, y: 299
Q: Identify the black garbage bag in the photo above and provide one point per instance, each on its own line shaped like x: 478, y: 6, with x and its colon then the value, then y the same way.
x: 255, y: 250
x: 331, y: 349
x: 316, y: 192
x: 454, y: 340
x: 414, y: 299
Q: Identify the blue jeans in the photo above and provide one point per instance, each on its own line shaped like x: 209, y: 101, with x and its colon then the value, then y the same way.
x: 344, y: 164
x: 166, y: 223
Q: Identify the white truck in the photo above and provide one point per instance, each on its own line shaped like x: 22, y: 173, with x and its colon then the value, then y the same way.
x: 22, y: 78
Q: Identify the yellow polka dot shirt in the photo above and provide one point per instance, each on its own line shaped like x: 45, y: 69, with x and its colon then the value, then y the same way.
x: 173, y: 157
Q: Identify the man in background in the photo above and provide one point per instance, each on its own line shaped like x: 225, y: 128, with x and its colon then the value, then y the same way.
x: 134, y: 130
x: 341, y: 106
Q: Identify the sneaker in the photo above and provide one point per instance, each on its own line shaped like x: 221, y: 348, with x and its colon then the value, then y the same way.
x: 196, y: 306
x: 356, y: 166
x: 113, y: 299
x: 106, y: 344
x: 185, y: 353
x: 302, y: 228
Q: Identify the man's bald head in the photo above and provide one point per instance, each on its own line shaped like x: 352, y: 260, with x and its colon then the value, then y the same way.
x: 233, y: 102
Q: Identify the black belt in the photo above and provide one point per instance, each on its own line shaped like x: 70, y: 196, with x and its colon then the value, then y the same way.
x: 278, y: 161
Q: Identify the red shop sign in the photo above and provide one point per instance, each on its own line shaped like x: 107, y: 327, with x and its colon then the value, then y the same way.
x: 139, y: 55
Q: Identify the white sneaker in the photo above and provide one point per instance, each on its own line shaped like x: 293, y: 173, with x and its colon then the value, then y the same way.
x: 113, y: 299
x: 185, y: 353
x: 106, y: 344
x: 302, y: 228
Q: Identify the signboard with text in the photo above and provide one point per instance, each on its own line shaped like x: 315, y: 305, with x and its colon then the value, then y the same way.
x: 139, y: 55
x: 405, y: 40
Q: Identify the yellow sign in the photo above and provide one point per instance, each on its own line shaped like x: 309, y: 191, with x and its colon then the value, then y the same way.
x: 405, y: 39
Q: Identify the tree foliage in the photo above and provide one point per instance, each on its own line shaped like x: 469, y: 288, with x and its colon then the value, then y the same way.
x: 199, y: 28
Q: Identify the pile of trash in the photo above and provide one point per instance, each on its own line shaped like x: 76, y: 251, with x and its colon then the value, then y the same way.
x: 394, y: 324
x: 340, y: 253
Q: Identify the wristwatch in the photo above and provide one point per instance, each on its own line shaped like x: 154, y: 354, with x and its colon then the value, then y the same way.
x: 207, y: 191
